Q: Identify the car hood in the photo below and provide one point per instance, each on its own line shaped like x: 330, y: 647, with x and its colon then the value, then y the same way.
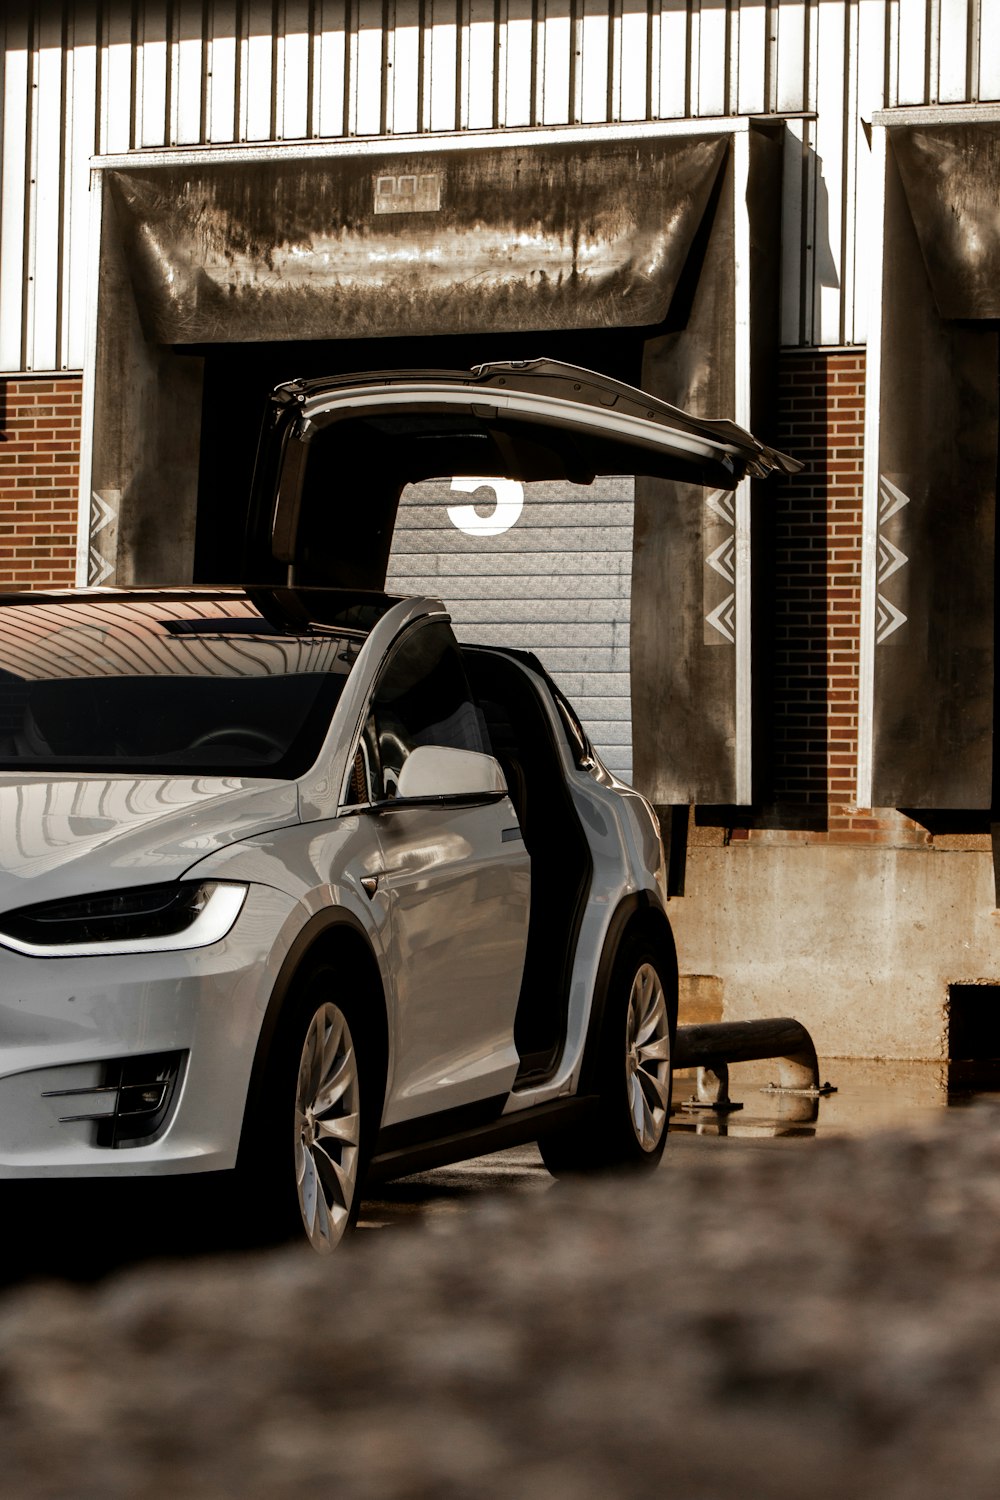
x: 336, y: 453
x: 63, y: 835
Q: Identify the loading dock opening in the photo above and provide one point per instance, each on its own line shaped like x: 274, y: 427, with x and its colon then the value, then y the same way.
x: 238, y: 378
x: 652, y: 248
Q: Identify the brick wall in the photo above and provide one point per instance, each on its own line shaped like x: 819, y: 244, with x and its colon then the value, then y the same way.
x: 818, y: 583
x: 816, y: 612
x: 39, y: 463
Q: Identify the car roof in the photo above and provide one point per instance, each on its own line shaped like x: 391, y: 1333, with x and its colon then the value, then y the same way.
x: 287, y: 608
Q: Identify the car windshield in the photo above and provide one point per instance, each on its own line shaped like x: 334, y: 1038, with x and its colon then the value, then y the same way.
x: 165, y: 684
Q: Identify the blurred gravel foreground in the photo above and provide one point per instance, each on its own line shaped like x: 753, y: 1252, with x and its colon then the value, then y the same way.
x: 798, y: 1320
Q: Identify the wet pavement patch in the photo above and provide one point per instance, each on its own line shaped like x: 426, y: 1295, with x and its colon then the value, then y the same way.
x: 856, y: 1097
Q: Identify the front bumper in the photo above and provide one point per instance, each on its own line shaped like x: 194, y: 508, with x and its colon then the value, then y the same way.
x: 66, y: 1022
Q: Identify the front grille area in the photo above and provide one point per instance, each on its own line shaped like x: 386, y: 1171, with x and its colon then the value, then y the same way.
x: 131, y: 1103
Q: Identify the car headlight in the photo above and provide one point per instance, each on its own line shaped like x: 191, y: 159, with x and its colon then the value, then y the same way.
x: 146, y: 919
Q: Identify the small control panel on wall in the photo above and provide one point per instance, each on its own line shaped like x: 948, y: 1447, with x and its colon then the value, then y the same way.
x: 408, y: 193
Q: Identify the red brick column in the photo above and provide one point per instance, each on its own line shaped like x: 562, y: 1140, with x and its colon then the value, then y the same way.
x: 818, y: 582
x: 817, y: 611
x: 39, y: 467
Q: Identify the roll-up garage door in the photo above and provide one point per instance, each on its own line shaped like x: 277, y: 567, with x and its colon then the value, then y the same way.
x: 543, y: 566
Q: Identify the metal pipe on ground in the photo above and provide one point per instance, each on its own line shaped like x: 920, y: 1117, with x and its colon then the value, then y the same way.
x: 711, y: 1047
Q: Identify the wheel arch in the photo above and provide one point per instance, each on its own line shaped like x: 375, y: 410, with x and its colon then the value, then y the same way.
x: 636, y: 916
x: 331, y: 937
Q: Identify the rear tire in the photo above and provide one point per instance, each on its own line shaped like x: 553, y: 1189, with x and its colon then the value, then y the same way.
x: 628, y: 1128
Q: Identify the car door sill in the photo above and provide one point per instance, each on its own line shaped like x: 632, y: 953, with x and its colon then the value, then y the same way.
x: 510, y: 1130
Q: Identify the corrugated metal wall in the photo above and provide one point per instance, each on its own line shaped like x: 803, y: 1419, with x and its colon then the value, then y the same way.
x: 80, y: 78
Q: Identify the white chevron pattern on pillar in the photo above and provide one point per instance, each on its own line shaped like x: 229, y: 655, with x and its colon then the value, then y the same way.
x: 102, y: 517
x: 722, y: 560
x: 723, y: 617
x: 889, y: 619
x: 890, y: 559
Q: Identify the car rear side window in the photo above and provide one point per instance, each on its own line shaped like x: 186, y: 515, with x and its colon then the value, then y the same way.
x: 422, y: 698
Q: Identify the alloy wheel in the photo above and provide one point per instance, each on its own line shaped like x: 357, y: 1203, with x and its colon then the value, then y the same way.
x: 327, y: 1128
x: 647, y: 1057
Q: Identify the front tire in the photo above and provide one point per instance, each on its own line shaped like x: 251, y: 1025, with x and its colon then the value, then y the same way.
x: 301, y: 1166
x: 628, y: 1128
x: 327, y: 1129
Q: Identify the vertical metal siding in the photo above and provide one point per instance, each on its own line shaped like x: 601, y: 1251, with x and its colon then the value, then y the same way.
x: 13, y: 202
x: 869, y: 41
x: 107, y: 76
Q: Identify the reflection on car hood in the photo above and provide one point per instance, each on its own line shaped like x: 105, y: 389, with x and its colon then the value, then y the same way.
x: 63, y: 835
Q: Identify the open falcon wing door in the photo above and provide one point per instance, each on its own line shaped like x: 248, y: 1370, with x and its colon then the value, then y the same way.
x: 335, y: 454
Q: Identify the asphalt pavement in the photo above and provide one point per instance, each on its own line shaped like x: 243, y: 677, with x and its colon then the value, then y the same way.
x: 773, y: 1313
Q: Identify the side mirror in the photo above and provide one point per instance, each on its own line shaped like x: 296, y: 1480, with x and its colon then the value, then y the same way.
x: 437, y: 771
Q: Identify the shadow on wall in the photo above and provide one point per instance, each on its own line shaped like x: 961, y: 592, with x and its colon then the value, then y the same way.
x: 793, y: 567
x: 798, y: 671
x: 799, y: 662
x: 825, y: 272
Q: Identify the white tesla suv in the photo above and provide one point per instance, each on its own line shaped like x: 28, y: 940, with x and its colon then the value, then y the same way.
x: 296, y: 890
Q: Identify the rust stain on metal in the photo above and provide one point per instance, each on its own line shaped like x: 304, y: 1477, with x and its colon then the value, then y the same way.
x: 951, y: 177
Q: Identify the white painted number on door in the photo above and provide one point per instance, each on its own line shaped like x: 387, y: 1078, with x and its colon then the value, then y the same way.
x: 509, y: 504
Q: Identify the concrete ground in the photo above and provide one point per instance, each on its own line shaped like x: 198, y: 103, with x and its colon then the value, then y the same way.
x: 768, y: 1315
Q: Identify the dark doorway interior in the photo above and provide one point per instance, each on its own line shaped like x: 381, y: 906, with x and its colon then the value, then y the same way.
x: 973, y: 1038
x: 238, y: 378
x: 973, y: 1022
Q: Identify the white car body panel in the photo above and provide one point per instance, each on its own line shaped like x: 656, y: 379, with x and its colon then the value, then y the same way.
x: 75, y: 1014
x: 441, y: 911
x: 627, y: 855
x: 446, y: 924
x: 65, y: 834
x: 431, y: 395
x: 456, y: 898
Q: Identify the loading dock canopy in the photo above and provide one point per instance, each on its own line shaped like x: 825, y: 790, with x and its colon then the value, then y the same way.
x: 336, y: 454
x: 558, y: 236
x: 933, y: 502
x: 950, y: 175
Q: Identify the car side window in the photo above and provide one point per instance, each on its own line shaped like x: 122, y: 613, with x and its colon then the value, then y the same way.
x: 365, y: 779
x: 422, y: 698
